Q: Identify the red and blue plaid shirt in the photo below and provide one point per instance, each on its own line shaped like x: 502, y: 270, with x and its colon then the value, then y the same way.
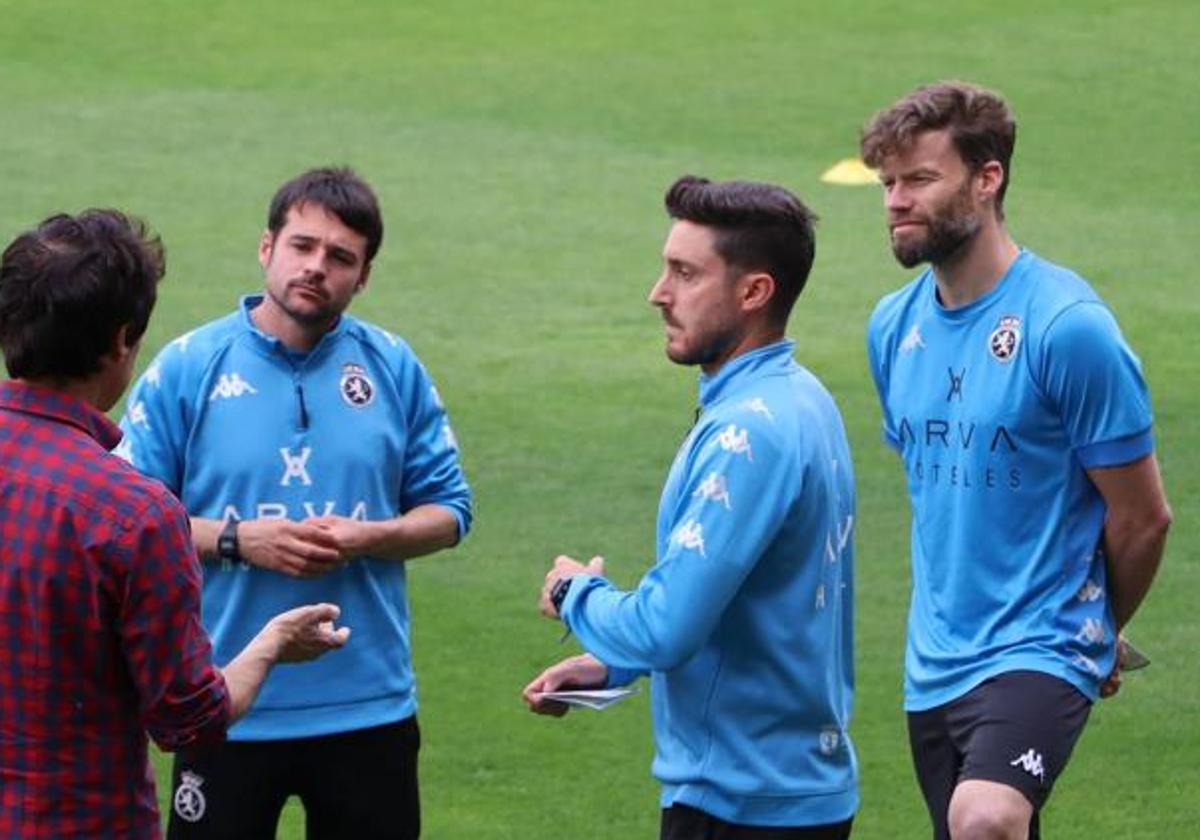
x: 100, y: 634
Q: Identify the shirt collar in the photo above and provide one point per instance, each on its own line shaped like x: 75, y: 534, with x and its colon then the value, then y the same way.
x: 271, y: 342
x: 27, y: 398
x: 965, y: 313
x: 772, y: 356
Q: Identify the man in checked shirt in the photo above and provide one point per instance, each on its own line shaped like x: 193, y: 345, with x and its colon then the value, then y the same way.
x: 100, y: 634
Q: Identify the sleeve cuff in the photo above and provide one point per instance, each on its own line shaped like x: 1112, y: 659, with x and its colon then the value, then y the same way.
x: 621, y: 677
x: 1115, y: 453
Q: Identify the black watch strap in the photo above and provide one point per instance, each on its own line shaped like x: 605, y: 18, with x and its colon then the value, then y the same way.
x: 558, y: 593
x: 227, y: 542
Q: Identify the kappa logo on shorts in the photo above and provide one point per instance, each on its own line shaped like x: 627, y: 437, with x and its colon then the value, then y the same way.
x: 357, y: 389
x: 1031, y: 762
x: 189, y: 799
x: 1005, y: 340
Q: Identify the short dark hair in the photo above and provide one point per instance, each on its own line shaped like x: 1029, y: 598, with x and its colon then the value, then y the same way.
x: 981, y: 126
x: 759, y: 227
x: 69, y: 285
x: 339, y: 190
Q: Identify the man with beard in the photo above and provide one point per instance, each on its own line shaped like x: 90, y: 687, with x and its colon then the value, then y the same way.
x: 1038, y: 514
x: 745, y: 621
x: 314, y: 457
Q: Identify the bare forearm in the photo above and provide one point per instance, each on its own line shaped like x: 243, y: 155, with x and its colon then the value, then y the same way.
x: 422, y: 530
x: 1135, y: 530
x: 204, y: 535
x: 246, y: 673
x: 1134, y: 551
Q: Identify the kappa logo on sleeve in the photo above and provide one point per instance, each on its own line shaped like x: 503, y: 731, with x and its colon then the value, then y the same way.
x: 1087, y: 663
x: 912, y: 341
x: 183, y: 341
x: 1092, y: 632
x: 137, y: 415
x: 735, y: 440
x: 759, y: 406
x: 449, y: 438
x: 715, y: 489
x: 153, y: 374
x: 690, y: 535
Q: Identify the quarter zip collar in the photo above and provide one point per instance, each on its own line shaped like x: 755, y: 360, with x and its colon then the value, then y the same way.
x: 771, y: 358
x: 270, y: 345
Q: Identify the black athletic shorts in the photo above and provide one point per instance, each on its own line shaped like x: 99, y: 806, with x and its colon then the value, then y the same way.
x: 360, y: 784
x: 682, y: 822
x: 1017, y: 729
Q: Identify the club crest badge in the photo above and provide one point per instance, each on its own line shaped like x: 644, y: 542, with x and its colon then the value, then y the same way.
x: 356, y: 387
x: 189, y: 799
x: 1005, y: 340
x: 830, y: 740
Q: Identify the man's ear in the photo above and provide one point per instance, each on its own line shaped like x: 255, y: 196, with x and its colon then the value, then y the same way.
x: 757, y: 289
x: 120, y: 348
x: 989, y: 178
x: 265, y: 246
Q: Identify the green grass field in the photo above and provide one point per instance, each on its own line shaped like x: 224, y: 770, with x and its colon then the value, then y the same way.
x: 520, y: 150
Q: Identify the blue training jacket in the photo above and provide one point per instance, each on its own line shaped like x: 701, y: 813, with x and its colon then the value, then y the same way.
x: 745, y: 621
x: 236, y: 425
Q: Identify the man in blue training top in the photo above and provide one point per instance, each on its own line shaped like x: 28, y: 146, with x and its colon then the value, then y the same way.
x: 745, y: 620
x: 314, y: 457
x: 1024, y: 424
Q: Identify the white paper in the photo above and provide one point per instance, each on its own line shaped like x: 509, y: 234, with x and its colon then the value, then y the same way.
x: 1131, y: 658
x: 591, y: 698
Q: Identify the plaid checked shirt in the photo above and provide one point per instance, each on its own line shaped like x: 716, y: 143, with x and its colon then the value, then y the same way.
x: 100, y: 634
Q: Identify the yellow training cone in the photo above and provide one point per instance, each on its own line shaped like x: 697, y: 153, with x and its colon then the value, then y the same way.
x: 850, y: 172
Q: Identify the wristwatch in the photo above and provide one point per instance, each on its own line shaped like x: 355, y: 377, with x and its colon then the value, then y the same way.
x: 227, y: 542
x: 558, y: 593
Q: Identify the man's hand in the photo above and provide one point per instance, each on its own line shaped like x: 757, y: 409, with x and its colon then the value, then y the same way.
x: 565, y: 567
x: 1112, y: 684
x: 297, y: 635
x: 585, y: 671
x: 351, y: 537
x: 299, y: 549
x: 305, y: 633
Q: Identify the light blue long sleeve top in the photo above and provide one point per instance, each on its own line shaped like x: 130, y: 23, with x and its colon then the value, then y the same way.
x: 237, y: 426
x: 745, y: 621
